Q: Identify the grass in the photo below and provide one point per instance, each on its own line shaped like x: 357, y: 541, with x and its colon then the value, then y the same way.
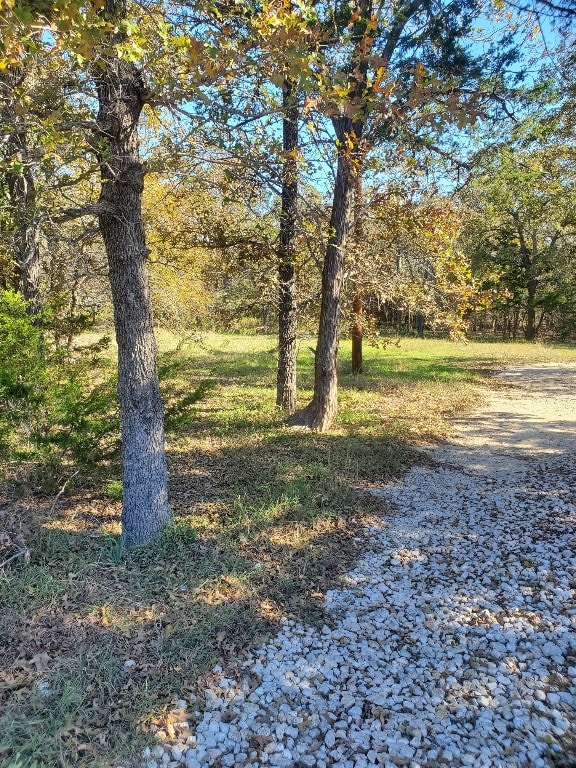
x: 97, y: 644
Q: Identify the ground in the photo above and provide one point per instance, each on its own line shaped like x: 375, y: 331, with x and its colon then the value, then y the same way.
x: 96, y: 645
x: 452, y: 641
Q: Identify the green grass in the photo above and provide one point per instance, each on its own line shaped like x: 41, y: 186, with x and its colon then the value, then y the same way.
x: 266, y: 518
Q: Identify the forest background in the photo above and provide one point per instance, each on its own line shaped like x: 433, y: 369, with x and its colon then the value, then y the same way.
x: 247, y: 183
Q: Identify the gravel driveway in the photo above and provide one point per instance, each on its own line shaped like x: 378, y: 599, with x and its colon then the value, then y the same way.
x: 454, y: 640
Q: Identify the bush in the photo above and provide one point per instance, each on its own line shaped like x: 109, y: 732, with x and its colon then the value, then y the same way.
x: 58, y: 404
x: 52, y: 404
x: 22, y: 372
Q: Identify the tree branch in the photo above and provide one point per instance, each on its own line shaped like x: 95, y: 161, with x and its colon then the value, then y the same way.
x: 84, y: 125
x: 95, y: 209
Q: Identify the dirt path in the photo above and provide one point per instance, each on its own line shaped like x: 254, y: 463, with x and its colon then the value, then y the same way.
x: 453, y: 641
x: 535, y: 416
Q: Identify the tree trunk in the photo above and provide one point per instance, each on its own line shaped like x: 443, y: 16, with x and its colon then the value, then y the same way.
x: 528, y: 258
x: 324, y: 406
x: 321, y: 412
x: 530, y: 327
x: 420, y: 324
x: 21, y: 189
x: 287, y: 309
x: 516, y: 320
x: 357, y: 333
x: 144, y: 475
x: 358, y: 300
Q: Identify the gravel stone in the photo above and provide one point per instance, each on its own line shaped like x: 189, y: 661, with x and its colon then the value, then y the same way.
x: 453, y: 640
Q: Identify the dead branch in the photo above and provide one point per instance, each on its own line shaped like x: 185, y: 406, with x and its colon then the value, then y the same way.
x: 21, y: 553
x: 61, y: 491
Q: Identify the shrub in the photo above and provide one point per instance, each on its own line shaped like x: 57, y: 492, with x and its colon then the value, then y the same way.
x: 22, y: 372
x: 51, y: 401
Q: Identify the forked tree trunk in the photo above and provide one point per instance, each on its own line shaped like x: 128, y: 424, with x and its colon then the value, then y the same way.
x: 144, y: 475
x: 21, y: 189
x: 287, y: 308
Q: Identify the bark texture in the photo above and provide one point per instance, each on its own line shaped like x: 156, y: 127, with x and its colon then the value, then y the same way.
x: 349, y: 125
x: 287, y: 307
x: 121, y: 97
x: 324, y: 405
x: 21, y: 189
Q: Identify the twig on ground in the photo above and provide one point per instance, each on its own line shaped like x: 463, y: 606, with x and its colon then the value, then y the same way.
x: 61, y: 491
x: 23, y: 552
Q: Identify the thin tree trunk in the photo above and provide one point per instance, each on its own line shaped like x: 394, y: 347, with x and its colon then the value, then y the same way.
x: 144, y: 475
x: 420, y: 325
x: 21, y: 189
x: 528, y: 257
x: 530, y: 327
x: 358, y: 300
x: 516, y: 320
x: 287, y: 308
x: 324, y: 406
x: 321, y: 412
x: 357, y: 333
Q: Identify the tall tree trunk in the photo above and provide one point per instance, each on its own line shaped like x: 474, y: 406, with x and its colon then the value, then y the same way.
x: 516, y: 320
x: 357, y: 333
x: 121, y: 96
x: 21, y: 188
x: 528, y: 259
x: 358, y: 300
x: 287, y: 308
x: 321, y: 412
x: 324, y: 405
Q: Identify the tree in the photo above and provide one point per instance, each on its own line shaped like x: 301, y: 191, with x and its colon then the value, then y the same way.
x: 44, y: 169
x: 121, y: 96
x: 358, y: 294
x: 522, y: 234
x: 17, y: 164
x: 389, y: 72
x: 100, y: 35
x: 206, y: 244
x: 409, y: 262
x: 129, y: 55
x: 287, y: 308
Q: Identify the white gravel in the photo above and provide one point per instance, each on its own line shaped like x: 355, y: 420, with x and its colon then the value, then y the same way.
x: 453, y: 642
